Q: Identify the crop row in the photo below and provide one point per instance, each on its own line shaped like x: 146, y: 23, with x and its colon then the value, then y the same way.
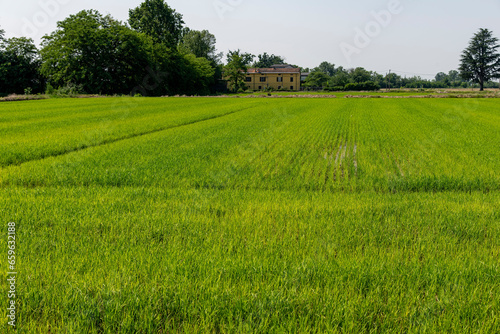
x: 327, y: 145
x: 35, y: 130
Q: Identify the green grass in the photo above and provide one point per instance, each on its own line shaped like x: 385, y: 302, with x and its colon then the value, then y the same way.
x: 404, y: 92
x: 211, y: 215
x: 324, y: 145
x: 34, y: 130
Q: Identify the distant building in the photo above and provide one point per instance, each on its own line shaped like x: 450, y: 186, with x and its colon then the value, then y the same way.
x: 303, y: 76
x: 279, y: 76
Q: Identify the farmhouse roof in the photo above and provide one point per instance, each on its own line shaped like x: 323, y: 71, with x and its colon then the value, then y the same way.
x: 281, y: 66
x: 274, y: 70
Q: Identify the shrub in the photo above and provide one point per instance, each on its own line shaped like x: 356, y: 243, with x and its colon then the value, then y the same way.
x: 368, y: 85
x: 49, y: 90
x: 69, y: 90
x: 333, y: 88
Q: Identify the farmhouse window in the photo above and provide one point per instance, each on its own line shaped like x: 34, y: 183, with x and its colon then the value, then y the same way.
x: 249, y: 79
x: 291, y: 79
x: 262, y: 79
x: 279, y: 79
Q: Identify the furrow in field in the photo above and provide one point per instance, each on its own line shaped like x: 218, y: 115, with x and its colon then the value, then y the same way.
x: 34, y: 131
x: 289, y: 145
x: 388, y: 127
x: 312, y: 163
x: 281, y: 151
x: 314, y: 149
x: 258, y: 159
x: 213, y: 153
x: 341, y: 148
x: 355, y: 136
x: 127, y: 137
x: 348, y: 163
x: 335, y: 136
x: 333, y: 150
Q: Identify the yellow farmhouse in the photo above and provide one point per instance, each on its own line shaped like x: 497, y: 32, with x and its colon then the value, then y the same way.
x: 277, y: 77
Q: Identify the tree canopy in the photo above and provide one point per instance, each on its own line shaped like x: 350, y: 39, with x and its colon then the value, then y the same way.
x: 480, y: 61
x: 97, y: 53
x: 156, y: 19
x: 156, y: 55
x: 237, y: 65
x: 360, y: 75
x: 19, y: 66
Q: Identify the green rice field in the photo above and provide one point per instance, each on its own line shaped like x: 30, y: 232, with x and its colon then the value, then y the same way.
x: 252, y: 215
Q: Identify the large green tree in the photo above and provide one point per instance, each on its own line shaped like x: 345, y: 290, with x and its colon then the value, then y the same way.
x: 19, y: 66
x: 359, y: 75
x: 480, y: 62
x: 98, y: 53
x: 234, y: 71
x: 155, y: 18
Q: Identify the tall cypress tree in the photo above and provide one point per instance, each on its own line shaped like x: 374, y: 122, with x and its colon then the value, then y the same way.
x: 480, y: 61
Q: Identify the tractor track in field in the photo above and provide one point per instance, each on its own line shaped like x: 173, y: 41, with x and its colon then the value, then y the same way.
x: 132, y: 136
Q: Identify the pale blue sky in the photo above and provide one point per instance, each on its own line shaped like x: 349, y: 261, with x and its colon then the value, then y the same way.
x: 420, y: 37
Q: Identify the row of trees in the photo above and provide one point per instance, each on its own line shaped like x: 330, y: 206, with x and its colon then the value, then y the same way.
x: 327, y: 76
x: 480, y: 63
x: 19, y: 65
x: 154, y: 54
x: 361, y: 79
